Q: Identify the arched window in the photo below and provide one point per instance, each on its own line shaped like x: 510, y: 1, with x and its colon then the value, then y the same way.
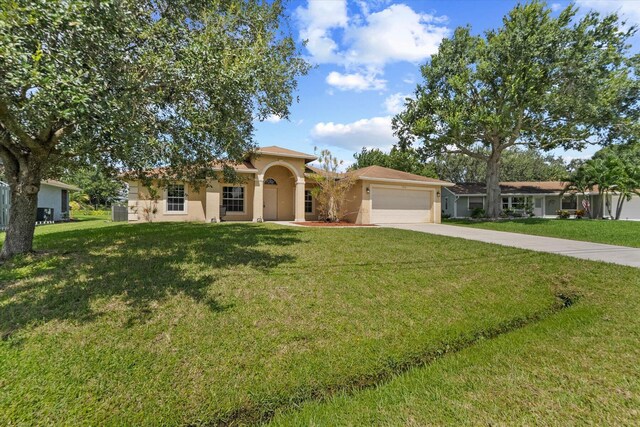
x: 270, y: 181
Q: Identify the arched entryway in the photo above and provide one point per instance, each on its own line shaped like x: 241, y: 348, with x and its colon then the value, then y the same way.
x: 279, y: 187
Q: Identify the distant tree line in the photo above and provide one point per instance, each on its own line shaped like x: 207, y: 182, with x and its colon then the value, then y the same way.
x: 517, y: 165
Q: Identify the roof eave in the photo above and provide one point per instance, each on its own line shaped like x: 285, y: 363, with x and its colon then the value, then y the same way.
x: 295, y: 156
x: 407, y: 181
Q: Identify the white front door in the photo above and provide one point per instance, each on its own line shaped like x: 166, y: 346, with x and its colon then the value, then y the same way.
x: 538, y: 203
x: 270, y: 197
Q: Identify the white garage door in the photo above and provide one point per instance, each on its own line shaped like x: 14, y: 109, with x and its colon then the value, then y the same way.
x: 400, y: 205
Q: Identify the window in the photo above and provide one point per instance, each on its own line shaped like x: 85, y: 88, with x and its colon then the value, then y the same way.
x: 270, y: 181
x: 476, y: 202
x: 65, y: 201
x: 518, y: 202
x: 308, y: 201
x: 446, y: 203
x: 175, y: 198
x: 233, y: 199
x: 505, y: 203
x: 569, y: 202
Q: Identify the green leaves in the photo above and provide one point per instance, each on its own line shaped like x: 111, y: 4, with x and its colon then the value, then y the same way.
x: 142, y: 83
x: 538, y: 80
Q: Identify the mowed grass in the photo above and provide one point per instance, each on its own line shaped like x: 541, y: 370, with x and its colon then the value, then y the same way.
x: 577, y: 367
x: 182, y: 323
x: 621, y: 233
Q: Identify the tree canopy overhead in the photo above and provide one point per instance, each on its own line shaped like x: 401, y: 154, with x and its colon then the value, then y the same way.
x: 133, y: 83
x: 539, y: 81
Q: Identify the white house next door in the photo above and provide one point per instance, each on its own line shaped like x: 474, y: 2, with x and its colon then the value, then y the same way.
x: 270, y: 198
x: 538, y: 206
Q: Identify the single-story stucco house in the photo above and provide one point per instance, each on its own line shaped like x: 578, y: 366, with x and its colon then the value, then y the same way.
x: 543, y: 197
x: 53, y: 201
x: 276, y: 188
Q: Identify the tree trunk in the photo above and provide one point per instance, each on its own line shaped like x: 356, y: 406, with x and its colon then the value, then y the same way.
x: 24, y: 187
x: 494, y: 202
x: 619, y: 205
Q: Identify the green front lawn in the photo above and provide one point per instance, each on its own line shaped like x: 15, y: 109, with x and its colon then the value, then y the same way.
x: 208, y: 323
x: 622, y: 233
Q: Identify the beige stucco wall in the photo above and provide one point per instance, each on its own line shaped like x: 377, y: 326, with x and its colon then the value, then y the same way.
x: 355, y: 204
x: 203, y: 203
x: 141, y: 204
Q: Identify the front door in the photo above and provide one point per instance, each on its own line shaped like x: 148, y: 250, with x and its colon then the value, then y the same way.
x: 270, y: 197
x: 538, y: 203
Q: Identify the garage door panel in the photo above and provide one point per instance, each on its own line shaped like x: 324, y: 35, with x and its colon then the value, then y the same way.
x: 401, y: 205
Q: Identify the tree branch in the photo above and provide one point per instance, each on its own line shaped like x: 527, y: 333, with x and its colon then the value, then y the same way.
x: 10, y: 124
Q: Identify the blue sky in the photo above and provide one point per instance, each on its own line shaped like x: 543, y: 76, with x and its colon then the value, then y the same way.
x: 368, y: 56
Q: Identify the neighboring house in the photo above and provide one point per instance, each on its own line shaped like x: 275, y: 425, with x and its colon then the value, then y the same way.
x: 53, y: 201
x: 275, y: 189
x: 630, y: 208
x: 542, y: 197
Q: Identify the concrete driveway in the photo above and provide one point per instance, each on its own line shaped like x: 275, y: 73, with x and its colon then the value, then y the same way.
x: 585, y: 250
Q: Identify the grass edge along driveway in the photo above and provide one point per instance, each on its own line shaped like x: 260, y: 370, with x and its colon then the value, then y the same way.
x: 620, y: 233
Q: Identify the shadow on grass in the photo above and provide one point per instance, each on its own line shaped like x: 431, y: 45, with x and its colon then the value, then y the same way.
x: 139, y: 264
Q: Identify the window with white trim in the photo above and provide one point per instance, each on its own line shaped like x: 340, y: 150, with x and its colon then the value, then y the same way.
x: 175, y: 198
x: 518, y: 202
x: 569, y: 201
x: 308, y: 201
x: 505, y: 203
x: 476, y: 202
x: 233, y: 199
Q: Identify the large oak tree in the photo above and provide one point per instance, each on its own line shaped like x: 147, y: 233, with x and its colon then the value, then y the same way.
x: 539, y: 81
x: 133, y: 84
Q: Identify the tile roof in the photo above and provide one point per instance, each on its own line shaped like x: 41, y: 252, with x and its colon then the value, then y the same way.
x: 285, y: 152
x: 513, y: 187
x: 379, y: 172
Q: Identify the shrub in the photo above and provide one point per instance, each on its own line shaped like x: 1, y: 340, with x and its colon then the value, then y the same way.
x: 579, y: 213
x: 562, y: 214
x: 478, y: 213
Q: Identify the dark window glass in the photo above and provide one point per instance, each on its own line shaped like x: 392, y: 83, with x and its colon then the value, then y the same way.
x: 475, y: 202
x: 233, y: 199
x: 569, y: 202
x: 308, y: 201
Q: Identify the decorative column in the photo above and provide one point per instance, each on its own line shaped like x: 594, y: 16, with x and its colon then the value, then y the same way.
x: 299, y: 200
x: 258, y: 203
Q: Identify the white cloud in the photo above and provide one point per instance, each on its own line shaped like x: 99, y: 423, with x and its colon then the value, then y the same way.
x: 628, y: 10
x: 556, y: 7
x: 397, y: 33
x: 316, y: 22
x: 364, y: 43
x: 272, y: 118
x: 374, y: 132
x: 394, y: 104
x: 355, y: 81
